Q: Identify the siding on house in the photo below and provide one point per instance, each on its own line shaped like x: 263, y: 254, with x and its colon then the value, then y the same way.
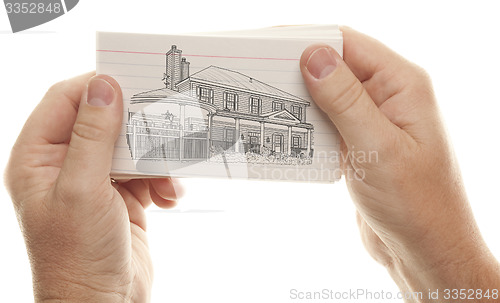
x: 243, y: 102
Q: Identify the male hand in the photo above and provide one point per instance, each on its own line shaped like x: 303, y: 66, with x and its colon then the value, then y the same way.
x: 413, y: 211
x: 85, y: 235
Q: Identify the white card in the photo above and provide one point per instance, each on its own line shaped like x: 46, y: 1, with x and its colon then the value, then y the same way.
x: 226, y: 105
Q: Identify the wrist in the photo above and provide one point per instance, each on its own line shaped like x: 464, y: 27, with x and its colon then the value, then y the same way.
x: 90, y: 289
x: 106, y: 298
x: 469, y: 269
x: 79, y: 295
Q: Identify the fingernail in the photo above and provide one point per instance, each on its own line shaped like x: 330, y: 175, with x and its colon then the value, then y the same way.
x: 100, y: 92
x: 321, y: 63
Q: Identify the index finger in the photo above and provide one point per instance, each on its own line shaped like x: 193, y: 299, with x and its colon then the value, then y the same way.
x: 365, y: 55
x: 382, y: 71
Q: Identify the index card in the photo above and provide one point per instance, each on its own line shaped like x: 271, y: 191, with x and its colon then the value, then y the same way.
x: 227, y: 105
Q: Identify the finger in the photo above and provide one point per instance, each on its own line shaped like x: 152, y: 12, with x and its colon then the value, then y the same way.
x: 365, y: 55
x: 53, y: 118
x: 167, y: 188
x: 401, y: 89
x: 160, y: 201
x: 382, y: 71
x: 94, y: 133
x: 163, y: 191
x: 338, y: 92
x: 140, y: 189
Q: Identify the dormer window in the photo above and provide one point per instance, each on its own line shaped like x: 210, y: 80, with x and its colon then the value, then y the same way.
x: 255, y: 105
x: 230, y: 101
x: 297, y: 112
x: 277, y: 106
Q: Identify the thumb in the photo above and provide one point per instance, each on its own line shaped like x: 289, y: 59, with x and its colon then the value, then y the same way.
x: 89, y: 156
x: 337, y: 91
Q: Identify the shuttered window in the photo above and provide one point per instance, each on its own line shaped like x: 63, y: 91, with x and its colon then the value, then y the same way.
x: 230, y: 101
x: 205, y: 94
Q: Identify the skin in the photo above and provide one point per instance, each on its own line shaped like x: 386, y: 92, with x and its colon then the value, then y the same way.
x: 85, y: 235
x: 412, y: 209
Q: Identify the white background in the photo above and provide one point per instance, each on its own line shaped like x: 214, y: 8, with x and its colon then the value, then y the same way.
x: 242, y: 241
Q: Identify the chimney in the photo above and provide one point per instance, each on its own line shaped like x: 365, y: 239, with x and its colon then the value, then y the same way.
x: 177, y: 68
x: 184, y: 69
x: 173, y: 70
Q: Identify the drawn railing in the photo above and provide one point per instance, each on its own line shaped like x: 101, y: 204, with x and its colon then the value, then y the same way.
x: 160, y: 143
x: 195, y: 148
x: 156, y: 147
x: 153, y: 131
x: 195, y: 145
x: 196, y: 134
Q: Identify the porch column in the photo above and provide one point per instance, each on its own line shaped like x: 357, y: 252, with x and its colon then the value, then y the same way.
x: 133, y: 141
x: 262, y: 139
x: 289, y: 148
x: 237, y: 134
x: 209, y: 134
x: 182, y: 111
x: 309, y: 142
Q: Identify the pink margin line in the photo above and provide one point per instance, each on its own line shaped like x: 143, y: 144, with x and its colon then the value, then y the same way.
x: 188, y: 55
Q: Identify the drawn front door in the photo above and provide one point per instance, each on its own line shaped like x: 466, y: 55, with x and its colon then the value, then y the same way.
x: 254, y: 144
x: 278, y: 143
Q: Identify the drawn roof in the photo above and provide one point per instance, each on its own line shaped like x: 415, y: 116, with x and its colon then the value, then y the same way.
x: 238, y: 80
x: 162, y: 93
x: 282, y: 115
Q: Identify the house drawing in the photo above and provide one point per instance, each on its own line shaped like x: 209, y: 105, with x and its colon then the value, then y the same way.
x: 242, y: 120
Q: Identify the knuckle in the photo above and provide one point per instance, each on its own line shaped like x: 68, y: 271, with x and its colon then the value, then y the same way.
x: 15, y: 178
x: 9, y: 181
x: 419, y: 89
x: 89, y: 131
x: 421, y: 78
x: 423, y: 74
x: 57, y: 88
x: 347, y: 96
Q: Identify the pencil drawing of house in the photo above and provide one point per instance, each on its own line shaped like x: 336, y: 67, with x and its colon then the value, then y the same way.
x: 241, y: 118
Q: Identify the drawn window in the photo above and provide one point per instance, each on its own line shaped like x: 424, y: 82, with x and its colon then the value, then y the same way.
x: 278, y: 143
x: 230, y: 101
x: 277, y: 106
x: 205, y: 94
x: 296, y: 141
x: 229, y: 135
x: 255, y: 105
x: 253, y: 138
x: 297, y: 112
